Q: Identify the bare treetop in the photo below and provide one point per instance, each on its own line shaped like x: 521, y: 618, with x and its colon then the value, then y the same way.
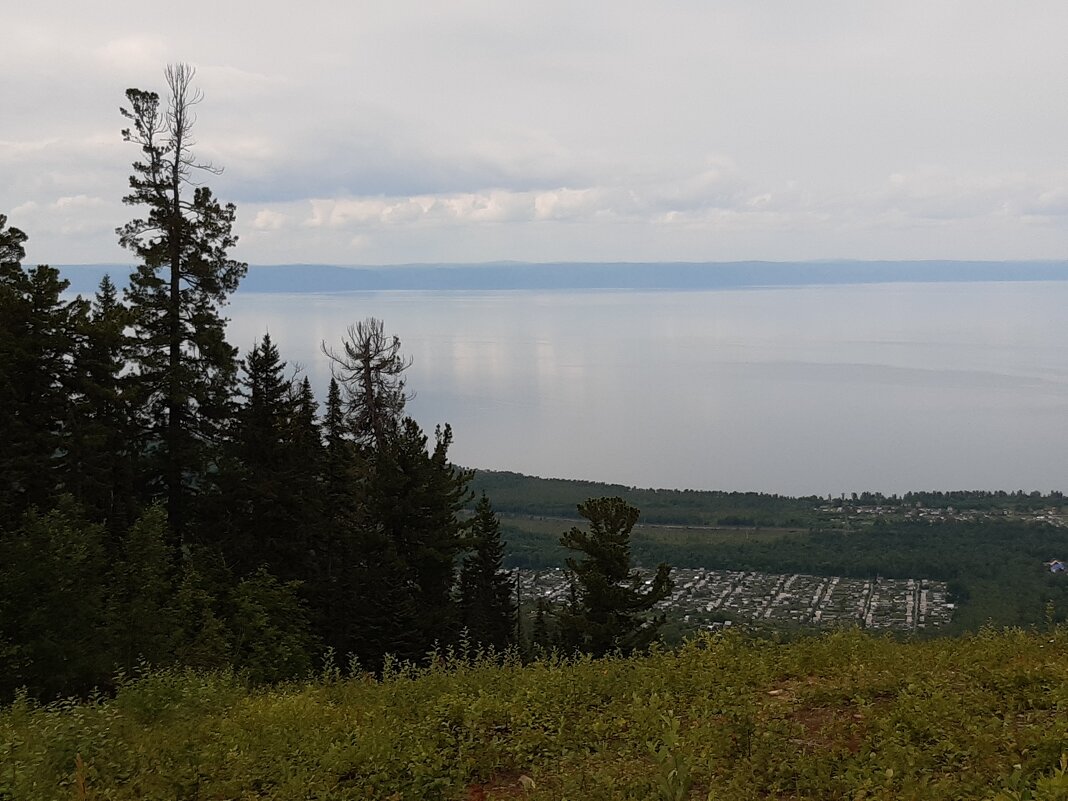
x: 370, y: 369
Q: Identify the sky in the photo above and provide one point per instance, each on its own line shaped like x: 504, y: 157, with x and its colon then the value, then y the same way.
x: 399, y: 132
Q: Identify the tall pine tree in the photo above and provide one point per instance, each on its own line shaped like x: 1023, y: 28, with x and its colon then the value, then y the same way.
x: 185, y: 368
x: 370, y: 372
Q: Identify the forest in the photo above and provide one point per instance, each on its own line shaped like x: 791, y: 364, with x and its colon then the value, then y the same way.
x: 168, y: 502
x: 163, y: 501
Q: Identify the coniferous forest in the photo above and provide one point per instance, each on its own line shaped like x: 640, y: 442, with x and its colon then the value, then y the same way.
x: 165, y: 500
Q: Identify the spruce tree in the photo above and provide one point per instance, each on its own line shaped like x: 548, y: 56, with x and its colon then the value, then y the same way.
x: 98, y: 467
x: 607, y: 611
x: 185, y: 368
x: 38, y: 334
x: 13, y: 322
x: 270, y: 481
x: 487, y: 609
x: 413, y: 500
x: 307, y: 457
x: 398, y: 505
x: 339, y: 605
x: 339, y: 454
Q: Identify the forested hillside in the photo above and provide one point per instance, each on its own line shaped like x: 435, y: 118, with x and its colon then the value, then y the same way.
x: 516, y: 494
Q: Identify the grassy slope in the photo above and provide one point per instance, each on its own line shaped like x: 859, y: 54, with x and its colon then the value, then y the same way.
x: 840, y: 716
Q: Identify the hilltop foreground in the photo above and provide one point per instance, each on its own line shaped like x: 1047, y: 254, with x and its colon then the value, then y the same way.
x: 844, y: 715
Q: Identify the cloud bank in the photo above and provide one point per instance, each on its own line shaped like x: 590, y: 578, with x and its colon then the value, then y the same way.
x: 473, y: 131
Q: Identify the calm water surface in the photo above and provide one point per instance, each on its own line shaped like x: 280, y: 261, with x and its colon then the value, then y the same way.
x: 805, y: 390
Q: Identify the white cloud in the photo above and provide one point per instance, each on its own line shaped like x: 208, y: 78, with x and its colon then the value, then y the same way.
x: 942, y: 196
x: 268, y: 220
x: 701, y: 131
x: 567, y: 204
x: 75, y: 202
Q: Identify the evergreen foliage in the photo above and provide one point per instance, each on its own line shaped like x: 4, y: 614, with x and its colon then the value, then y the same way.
x: 370, y: 369
x: 203, y: 640
x: 185, y: 368
x: 396, y: 516
x: 272, y: 640
x: 99, y: 466
x: 164, y: 504
x: 38, y: 330
x: 269, y: 484
x: 53, y: 606
x: 606, y: 613
x: 487, y: 609
x: 142, y: 614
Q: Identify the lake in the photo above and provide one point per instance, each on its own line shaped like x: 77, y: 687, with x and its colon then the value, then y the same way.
x: 799, y: 390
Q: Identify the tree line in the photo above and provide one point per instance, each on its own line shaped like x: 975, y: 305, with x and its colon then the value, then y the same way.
x: 163, y: 501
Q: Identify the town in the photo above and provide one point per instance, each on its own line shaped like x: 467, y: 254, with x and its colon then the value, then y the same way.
x: 711, y: 598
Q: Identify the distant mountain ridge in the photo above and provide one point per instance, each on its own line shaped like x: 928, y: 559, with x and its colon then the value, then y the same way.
x: 320, y: 278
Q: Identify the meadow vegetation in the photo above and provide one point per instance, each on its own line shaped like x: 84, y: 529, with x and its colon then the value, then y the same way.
x: 840, y: 716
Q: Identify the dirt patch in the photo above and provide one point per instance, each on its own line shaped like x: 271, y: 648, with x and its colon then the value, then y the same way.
x: 828, y: 728
x: 504, y: 785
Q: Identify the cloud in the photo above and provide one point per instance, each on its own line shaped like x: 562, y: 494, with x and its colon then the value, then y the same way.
x: 1048, y: 201
x: 137, y: 53
x: 689, y: 196
x: 937, y: 195
x: 77, y: 202
x: 567, y: 204
x: 268, y: 220
x: 506, y: 131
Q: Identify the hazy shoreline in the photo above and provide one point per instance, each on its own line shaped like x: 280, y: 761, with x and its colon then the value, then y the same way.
x: 318, y: 278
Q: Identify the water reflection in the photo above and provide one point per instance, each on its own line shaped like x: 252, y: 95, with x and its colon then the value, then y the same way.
x: 797, y: 390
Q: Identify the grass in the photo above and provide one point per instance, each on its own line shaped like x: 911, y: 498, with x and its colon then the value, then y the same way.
x: 840, y: 716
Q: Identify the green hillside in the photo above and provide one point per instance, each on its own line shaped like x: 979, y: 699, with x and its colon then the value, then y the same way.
x: 517, y: 494
x: 844, y: 716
